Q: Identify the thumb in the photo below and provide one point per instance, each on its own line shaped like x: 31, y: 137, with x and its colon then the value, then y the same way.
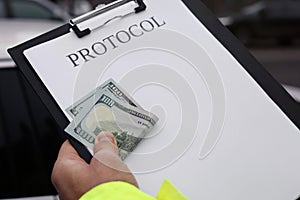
x: 106, y: 150
x: 107, y: 162
x: 105, y: 142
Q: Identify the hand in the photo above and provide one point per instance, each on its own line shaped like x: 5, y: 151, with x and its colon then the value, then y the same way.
x: 72, y: 176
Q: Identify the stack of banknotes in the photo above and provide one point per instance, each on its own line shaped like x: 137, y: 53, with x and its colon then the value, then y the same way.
x: 110, y: 108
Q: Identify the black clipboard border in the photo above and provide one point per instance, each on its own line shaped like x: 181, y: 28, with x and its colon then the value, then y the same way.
x: 273, y: 89
x: 17, y: 55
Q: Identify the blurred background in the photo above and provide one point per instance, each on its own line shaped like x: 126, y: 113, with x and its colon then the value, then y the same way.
x: 29, y: 136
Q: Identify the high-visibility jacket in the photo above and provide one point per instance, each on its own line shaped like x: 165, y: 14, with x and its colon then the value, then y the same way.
x: 124, y: 191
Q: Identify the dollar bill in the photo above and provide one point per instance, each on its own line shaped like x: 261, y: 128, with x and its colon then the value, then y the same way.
x: 127, y: 123
x: 110, y: 86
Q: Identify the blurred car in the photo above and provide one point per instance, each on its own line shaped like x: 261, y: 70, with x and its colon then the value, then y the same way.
x: 276, y: 19
x: 29, y: 136
x: 21, y: 20
x: 32, y: 9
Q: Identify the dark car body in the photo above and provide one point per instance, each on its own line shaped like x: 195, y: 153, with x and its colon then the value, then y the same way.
x: 29, y: 139
x: 279, y: 19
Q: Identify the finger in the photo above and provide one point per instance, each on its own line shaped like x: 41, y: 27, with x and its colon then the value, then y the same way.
x: 106, y: 151
x: 67, y: 151
x: 106, y: 159
x: 105, y: 142
x: 68, y: 166
x: 66, y: 159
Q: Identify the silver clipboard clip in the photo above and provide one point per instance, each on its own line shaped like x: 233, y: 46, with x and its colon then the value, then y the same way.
x: 101, y: 10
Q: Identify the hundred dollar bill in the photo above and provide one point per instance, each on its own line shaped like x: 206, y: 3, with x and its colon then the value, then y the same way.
x: 110, y: 86
x: 127, y: 123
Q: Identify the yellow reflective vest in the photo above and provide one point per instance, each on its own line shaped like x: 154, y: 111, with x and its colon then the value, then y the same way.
x: 124, y: 191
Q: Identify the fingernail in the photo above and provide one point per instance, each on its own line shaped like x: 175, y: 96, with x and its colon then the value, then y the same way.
x: 105, y: 136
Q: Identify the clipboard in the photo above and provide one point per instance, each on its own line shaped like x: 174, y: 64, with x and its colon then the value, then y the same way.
x: 21, y: 61
x: 273, y: 90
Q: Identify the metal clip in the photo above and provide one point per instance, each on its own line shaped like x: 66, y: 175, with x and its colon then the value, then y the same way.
x: 101, y: 10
